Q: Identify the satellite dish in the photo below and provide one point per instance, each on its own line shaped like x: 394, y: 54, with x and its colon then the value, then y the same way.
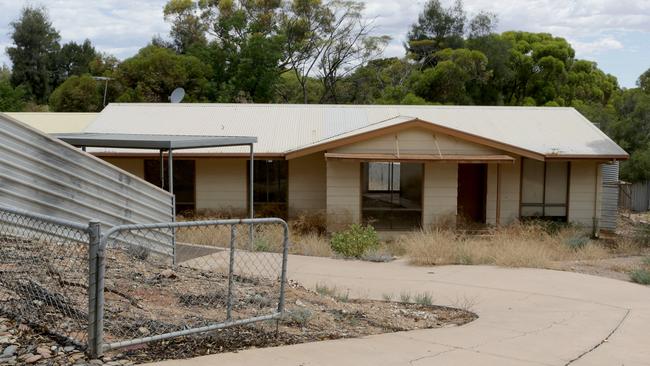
x: 177, y: 95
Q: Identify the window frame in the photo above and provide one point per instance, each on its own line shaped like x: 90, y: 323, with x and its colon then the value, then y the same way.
x: 177, y: 184
x: 283, y: 206
x: 365, y: 188
x: 544, y: 205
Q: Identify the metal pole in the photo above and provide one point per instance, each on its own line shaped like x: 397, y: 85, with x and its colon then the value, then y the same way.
x: 170, y: 168
x: 283, y: 276
x: 105, y: 90
x: 99, y: 309
x: 162, y: 170
x: 231, y: 273
x: 94, y: 236
x: 251, y: 210
x: 170, y: 171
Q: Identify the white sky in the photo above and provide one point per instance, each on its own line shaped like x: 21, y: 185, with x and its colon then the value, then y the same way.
x: 615, y: 33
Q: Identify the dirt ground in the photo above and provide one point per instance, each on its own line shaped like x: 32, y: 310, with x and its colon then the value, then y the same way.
x: 617, y: 267
x: 146, y: 296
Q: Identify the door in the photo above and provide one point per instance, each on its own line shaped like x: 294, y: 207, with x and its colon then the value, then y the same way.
x: 472, y: 189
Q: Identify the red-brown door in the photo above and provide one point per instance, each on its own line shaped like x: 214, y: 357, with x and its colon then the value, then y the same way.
x: 472, y: 184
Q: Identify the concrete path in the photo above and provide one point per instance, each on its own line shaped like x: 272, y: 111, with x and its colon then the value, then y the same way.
x: 526, y: 317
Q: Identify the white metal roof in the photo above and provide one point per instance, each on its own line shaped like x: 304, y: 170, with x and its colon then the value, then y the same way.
x: 283, y: 128
x: 55, y: 122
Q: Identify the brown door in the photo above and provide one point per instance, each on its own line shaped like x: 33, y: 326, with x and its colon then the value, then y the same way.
x: 472, y: 179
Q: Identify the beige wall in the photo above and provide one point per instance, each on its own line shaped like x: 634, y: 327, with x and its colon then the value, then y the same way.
x: 134, y: 166
x: 221, y: 184
x: 440, y: 194
x: 509, y: 193
x: 307, y: 184
x: 343, y: 194
x: 416, y: 141
x: 584, y: 187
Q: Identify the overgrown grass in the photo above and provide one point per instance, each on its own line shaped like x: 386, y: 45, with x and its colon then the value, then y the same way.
x: 525, y: 245
x: 642, y: 275
x: 333, y: 292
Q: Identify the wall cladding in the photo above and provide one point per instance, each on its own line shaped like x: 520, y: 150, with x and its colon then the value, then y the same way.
x: 42, y: 174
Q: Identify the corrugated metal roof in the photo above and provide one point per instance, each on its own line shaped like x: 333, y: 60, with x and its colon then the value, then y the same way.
x: 55, y: 122
x: 281, y: 128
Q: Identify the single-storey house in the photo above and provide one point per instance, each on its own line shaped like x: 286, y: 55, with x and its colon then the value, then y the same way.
x: 397, y: 167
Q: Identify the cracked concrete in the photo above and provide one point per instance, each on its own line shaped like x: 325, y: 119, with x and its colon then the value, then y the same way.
x: 526, y: 317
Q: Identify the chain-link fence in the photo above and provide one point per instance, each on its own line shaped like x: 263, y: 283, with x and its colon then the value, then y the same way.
x: 221, y: 273
x: 140, y: 283
x: 44, y: 273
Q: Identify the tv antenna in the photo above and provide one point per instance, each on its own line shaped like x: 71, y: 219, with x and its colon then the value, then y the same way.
x: 177, y: 95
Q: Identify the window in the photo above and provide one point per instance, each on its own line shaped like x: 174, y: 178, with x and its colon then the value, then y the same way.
x: 270, y: 188
x: 184, y: 181
x: 544, y: 189
x: 392, y: 195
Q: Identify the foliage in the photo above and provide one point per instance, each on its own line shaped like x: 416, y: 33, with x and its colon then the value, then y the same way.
x: 641, y: 276
x: 424, y: 298
x: 187, y: 28
x: 74, y: 59
x: 152, y: 74
x: 77, y: 94
x: 11, y: 99
x: 34, y: 53
x: 355, y: 241
x: 577, y: 242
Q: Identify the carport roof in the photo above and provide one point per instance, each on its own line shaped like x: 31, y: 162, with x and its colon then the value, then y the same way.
x: 152, y: 141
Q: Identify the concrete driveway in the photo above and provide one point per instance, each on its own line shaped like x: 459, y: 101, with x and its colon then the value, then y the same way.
x: 526, y: 317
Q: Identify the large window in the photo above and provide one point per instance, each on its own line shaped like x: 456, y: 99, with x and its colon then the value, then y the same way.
x: 270, y: 187
x: 184, y: 181
x: 392, y: 195
x: 544, y: 189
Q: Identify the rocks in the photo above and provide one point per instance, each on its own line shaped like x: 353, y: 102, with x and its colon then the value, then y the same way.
x: 33, y: 358
x: 20, y: 344
x: 168, y: 273
x: 9, y: 351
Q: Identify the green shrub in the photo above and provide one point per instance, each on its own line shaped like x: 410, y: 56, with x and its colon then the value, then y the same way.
x: 646, y: 261
x: 405, y: 297
x: 577, y: 242
x: 355, y: 241
x: 424, y: 298
x: 641, y: 276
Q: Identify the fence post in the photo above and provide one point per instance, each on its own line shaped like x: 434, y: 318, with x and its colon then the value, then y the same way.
x: 283, y: 275
x: 231, y: 273
x: 94, y: 238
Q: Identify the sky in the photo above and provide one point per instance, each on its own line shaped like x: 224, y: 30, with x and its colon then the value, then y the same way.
x: 614, y: 33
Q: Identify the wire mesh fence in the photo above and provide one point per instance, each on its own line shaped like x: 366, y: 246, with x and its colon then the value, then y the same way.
x: 139, y: 283
x: 221, y: 273
x: 44, y: 277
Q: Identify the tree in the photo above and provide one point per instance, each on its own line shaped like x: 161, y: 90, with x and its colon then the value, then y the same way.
x: 77, y: 94
x: 437, y: 28
x: 482, y: 25
x: 152, y: 74
x: 348, y: 46
x: 33, y: 55
x: 187, y: 28
x: 450, y: 81
x: 328, y: 40
x: 644, y: 81
x: 74, y: 59
x: 11, y: 99
x: 539, y: 64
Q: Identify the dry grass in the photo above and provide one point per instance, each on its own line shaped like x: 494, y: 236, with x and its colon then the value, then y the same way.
x: 515, y: 246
